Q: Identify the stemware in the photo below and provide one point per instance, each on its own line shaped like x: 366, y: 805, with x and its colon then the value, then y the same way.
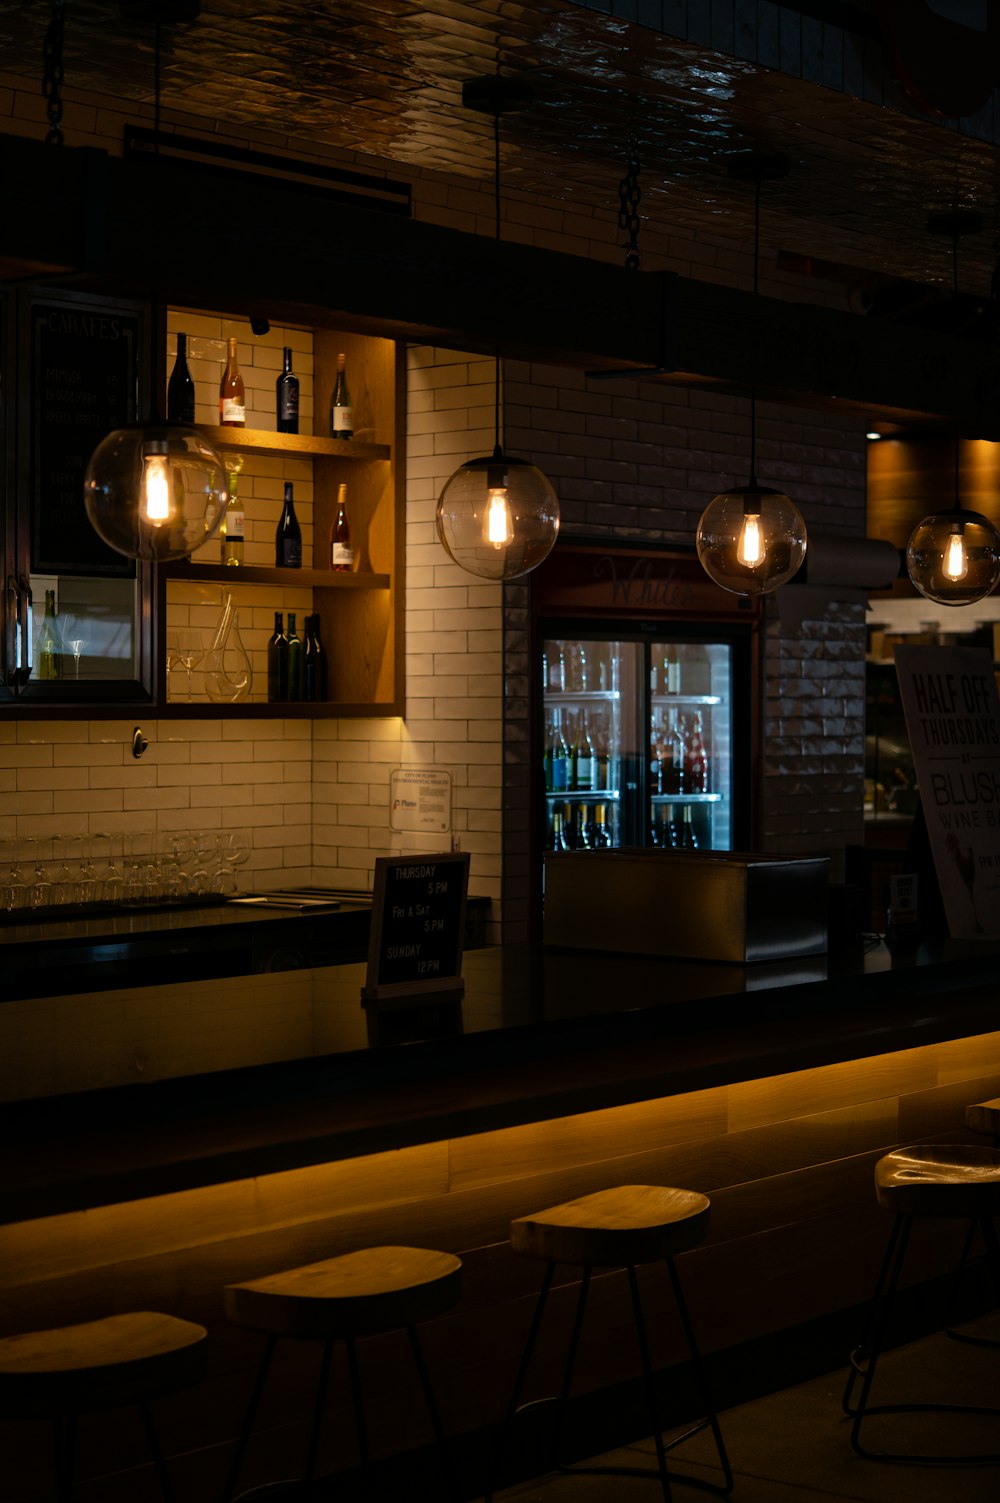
x: 234, y: 848
x: 185, y: 648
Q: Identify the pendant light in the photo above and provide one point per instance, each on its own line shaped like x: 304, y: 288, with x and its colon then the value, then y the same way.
x: 751, y: 539
x: 953, y: 557
x: 156, y: 490
x: 497, y: 516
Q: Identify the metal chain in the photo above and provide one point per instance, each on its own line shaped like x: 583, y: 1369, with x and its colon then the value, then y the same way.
x: 629, y: 196
x: 52, y: 81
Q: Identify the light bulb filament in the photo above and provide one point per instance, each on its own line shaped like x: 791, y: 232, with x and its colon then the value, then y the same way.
x: 154, y: 500
x: 750, y: 545
x: 956, y: 560
x: 498, y: 530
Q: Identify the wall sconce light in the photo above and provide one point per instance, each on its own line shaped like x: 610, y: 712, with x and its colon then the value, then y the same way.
x: 751, y: 539
x: 497, y: 516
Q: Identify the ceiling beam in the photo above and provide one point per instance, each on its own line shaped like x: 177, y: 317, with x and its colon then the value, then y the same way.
x: 158, y: 228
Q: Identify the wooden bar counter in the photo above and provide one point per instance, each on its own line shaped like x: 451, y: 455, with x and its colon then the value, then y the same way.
x: 164, y: 1139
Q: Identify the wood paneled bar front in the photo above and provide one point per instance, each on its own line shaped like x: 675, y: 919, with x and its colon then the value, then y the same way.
x: 262, y: 1131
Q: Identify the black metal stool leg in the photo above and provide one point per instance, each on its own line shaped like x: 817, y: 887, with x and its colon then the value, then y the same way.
x: 359, y: 1411
x: 64, y: 1446
x: 859, y: 1355
x: 324, y: 1376
x: 522, y: 1373
x: 432, y: 1409
x: 241, y: 1444
x: 711, y: 1417
x: 647, y: 1373
x: 154, y: 1448
x: 570, y: 1368
x: 865, y: 1409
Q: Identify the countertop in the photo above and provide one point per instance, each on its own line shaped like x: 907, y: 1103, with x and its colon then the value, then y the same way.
x: 539, y: 1033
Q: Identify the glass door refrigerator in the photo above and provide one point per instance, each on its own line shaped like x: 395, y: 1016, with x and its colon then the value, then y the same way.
x: 640, y: 737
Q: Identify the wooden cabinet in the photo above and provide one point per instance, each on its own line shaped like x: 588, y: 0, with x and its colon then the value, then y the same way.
x: 360, y: 612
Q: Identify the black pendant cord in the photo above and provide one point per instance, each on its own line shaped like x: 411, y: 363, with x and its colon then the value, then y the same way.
x: 753, y: 366
x: 957, y: 507
x: 497, y: 435
x: 154, y: 322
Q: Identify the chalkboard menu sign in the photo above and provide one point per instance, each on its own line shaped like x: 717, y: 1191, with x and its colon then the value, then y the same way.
x: 85, y: 357
x: 418, y: 925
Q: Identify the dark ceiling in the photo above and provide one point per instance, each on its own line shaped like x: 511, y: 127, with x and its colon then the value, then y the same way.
x: 383, y: 77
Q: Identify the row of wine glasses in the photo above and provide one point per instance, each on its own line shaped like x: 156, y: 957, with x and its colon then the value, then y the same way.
x: 127, y: 869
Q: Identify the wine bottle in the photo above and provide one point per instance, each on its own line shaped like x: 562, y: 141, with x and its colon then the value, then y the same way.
x: 277, y: 662
x: 287, y: 397
x: 49, y: 653
x: 559, y: 841
x: 560, y: 758
x: 601, y: 838
x: 586, y: 770
x: 341, y: 412
x: 233, y: 528
x: 313, y: 663
x: 341, y: 552
x: 232, y: 397
x: 697, y: 758
x: 295, y: 656
x: 582, y: 842
x: 288, y: 537
x: 688, y: 840
x: 180, y: 387
x: 675, y: 771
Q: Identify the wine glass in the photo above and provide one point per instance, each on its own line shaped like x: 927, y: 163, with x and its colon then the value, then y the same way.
x: 76, y: 646
x: 186, y: 649
x: 234, y: 847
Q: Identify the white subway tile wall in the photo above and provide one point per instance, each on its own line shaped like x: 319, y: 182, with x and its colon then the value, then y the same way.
x: 628, y: 461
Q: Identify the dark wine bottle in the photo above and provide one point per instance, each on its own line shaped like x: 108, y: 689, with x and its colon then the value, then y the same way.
x: 277, y: 662
x: 180, y: 387
x: 313, y: 663
x: 288, y: 538
x: 287, y: 393
x: 295, y: 655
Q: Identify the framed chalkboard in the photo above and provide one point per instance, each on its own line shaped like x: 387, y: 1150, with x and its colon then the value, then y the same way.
x: 84, y: 373
x: 418, y: 925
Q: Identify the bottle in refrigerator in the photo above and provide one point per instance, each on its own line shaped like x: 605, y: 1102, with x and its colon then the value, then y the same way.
x: 601, y: 836
x: 688, y: 840
x: 585, y: 760
x: 560, y: 756
x: 559, y: 841
x: 674, y: 759
x: 697, y: 757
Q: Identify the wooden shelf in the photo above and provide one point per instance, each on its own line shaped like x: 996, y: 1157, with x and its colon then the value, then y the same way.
x: 307, y: 579
x: 286, y: 445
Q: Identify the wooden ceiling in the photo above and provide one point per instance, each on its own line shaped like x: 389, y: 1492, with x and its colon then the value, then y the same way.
x: 383, y: 77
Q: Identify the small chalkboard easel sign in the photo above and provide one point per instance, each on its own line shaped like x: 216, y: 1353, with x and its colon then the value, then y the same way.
x: 418, y: 927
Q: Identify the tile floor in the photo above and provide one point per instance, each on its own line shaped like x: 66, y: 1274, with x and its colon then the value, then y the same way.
x: 793, y: 1446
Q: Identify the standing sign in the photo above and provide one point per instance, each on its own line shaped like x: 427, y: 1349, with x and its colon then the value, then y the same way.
x: 952, y: 712
x: 418, y: 926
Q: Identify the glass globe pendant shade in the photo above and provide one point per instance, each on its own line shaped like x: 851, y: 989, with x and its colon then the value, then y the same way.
x: 155, y: 490
x: 498, y: 517
x: 953, y: 557
x: 751, y: 539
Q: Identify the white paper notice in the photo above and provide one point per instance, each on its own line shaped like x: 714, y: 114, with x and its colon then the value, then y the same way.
x: 952, y: 711
x: 420, y: 800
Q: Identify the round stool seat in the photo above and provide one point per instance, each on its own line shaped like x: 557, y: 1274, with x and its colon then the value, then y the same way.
x: 99, y: 1364
x: 615, y: 1228
x: 984, y: 1117
x: 939, y: 1180
x: 357, y: 1294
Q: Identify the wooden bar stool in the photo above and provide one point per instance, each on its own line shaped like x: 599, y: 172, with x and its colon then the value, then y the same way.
x: 925, y: 1180
x: 620, y: 1228
x: 99, y: 1364
x: 363, y: 1293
